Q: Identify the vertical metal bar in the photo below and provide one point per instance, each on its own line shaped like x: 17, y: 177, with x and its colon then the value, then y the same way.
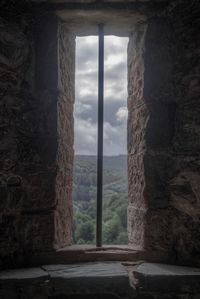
x: 100, y: 137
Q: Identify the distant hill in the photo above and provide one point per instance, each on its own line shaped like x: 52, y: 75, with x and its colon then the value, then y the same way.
x: 118, y: 163
x: 114, y: 199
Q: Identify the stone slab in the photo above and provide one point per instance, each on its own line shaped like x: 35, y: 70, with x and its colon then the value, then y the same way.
x: 22, y: 276
x: 167, y: 278
x: 90, y: 278
x: 83, y: 22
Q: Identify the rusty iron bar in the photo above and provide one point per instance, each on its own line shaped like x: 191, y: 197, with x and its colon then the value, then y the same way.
x: 100, y: 136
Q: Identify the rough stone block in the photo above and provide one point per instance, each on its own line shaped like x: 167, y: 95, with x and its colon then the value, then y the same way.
x: 136, y: 227
x: 149, y: 175
x: 37, y: 232
x: 23, y: 276
x: 63, y: 225
x: 5, y: 293
x: 186, y: 236
x: 136, y: 179
x: 149, y: 230
x: 90, y: 278
x: 187, y: 140
x: 167, y: 278
x: 160, y: 126
x: 137, y: 126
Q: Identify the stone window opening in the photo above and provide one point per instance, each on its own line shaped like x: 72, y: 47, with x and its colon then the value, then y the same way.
x: 114, y: 120
x: 144, y: 131
x: 64, y: 40
x: 37, y: 60
x: 151, y: 113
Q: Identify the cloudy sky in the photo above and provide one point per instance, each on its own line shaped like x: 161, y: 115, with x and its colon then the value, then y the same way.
x: 115, y: 95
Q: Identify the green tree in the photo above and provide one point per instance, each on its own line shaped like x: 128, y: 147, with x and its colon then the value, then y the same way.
x: 122, y: 214
x: 85, y: 231
x: 122, y: 238
x: 111, y: 230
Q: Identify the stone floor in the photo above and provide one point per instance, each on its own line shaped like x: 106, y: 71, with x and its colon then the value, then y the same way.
x: 168, y: 278
x: 101, y: 280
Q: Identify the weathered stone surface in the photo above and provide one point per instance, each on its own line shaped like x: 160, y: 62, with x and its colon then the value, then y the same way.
x: 37, y: 136
x: 6, y: 293
x: 101, y: 280
x: 137, y: 120
x: 91, y: 278
x: 83, y: 22
x: 23, y: 276
x: 66, y: 86
x: 97, y: 279
x: 91, y: 1
x: 184, y: 185
x: 160, y: 226
x: 167, y: 278
x: 149, y: 174
x: 36, y: 115
x: 28, y: 148
x: 150, y: 131
x: 24, y: 283
x: 163, y: 135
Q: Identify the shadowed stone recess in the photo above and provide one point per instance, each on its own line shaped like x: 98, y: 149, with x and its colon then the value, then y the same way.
x: 36, y: 128
x: 27, y: 150
x: 107, y: 280
x: 167, y: 278
x: 91, y: 278
x: 101, y: 280
x: 163, y: 135
x: 23, y: 275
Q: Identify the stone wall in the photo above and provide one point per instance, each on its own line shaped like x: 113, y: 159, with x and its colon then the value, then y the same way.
x: 185, y: 183
x: 101, y: 280
x: 36, y: 150
x: 36, y: 135
x: 27, y: 178
x: 151, y: 118
x: 164, y: 136
x: 137, y: 120
x: 65, y: 154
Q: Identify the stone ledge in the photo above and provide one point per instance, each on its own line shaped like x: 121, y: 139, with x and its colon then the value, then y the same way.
x: 87, y: 253
x: 61, y: 281
x: 90, y: 278
x: 167, y: 278
x: 23, y: 276
x: 101, y: 280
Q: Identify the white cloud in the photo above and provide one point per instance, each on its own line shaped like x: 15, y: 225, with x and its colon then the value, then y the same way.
x: 115, y: 140
x: 122, y: 114
x: 115, y: 95
x: 86, y: 138
x: 82, y: 108
x: 85, y: 133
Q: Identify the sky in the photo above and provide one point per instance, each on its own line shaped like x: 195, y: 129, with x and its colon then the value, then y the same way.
x: 115, y: 95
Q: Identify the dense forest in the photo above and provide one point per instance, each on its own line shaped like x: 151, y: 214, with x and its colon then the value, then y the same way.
x: 115, y: 199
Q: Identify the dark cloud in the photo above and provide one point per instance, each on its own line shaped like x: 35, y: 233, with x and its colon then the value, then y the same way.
x: 113, y: 48
x: 86, y: 52
x: 116, y: 72
x: 110, y: 109
x: 115, y: 113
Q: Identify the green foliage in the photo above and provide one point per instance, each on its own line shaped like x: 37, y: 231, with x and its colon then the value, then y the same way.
x: 122, y: 214
x: 122, y: 238
x: 114, y: 200
x: 85, y: 231
x: 111, y: 230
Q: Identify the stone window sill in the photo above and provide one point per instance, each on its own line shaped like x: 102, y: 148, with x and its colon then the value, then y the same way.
x: 88, y: 253
x: 101, y: 280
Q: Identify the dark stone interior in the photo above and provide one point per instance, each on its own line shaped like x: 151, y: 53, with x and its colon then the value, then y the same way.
x: 37, y: 66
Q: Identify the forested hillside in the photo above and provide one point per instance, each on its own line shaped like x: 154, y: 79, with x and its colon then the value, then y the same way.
x: 114, y: 200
